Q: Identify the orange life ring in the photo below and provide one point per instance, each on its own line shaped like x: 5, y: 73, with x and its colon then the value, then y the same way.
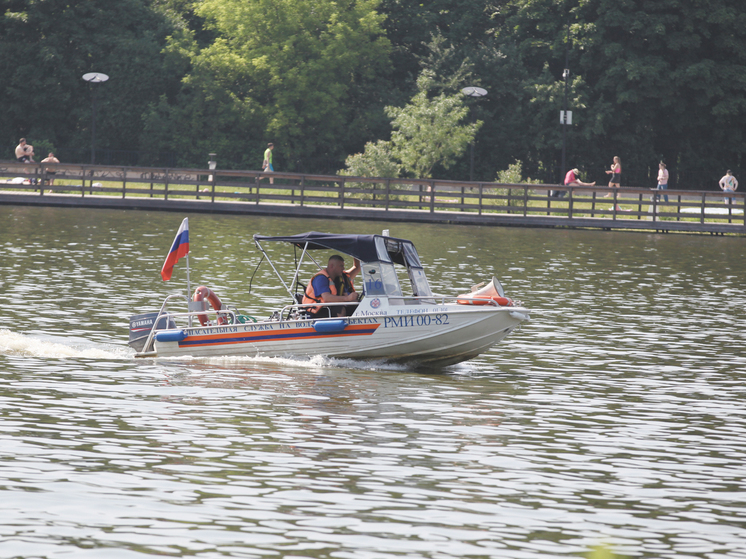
x: 203, y: 293
x: 484, y: 300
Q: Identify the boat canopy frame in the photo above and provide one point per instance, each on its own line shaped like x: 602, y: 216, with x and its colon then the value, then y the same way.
x: 366, y: 248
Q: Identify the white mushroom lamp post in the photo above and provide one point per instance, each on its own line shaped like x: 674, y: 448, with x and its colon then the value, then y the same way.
x: 473, y: 91
x: 93, y: 78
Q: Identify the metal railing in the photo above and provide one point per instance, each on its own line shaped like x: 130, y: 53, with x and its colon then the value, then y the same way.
x: 456, y: 201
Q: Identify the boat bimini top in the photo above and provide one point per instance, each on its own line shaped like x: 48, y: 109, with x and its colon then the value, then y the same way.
x: 377, y: 254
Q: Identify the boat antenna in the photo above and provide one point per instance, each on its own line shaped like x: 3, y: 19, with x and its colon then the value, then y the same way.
x: 255, y: 269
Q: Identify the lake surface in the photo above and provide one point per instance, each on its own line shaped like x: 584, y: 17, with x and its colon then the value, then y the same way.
x: 614, y: 422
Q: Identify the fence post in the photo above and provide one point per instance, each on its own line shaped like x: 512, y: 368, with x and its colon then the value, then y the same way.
x: 151, y: 184
x: 432, y: 196
x: 82, y: 182
x: 212, y: 194
x: 525, y: 200
x: 388, y: 193
x: 569, y: 203
x: 302, y: 190
x: 702, y: 214
x: 342, y: 195
x: 639, y: 207
x: 43, y: 180
x: 481, y: 189
x: 165, y: 185
x: 124, y: 182
x: 593, y: 204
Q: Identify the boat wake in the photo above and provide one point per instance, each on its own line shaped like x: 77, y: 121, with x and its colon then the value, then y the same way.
x: 313, y: 363
x: 13, y: 344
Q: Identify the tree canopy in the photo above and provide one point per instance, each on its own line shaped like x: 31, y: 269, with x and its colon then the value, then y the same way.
x: 649, y: 80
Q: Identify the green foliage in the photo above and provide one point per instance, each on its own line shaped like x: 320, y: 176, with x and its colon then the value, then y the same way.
x: 514, y: 175
x: 376, y: 160
x: 428, y: 131
x: 46, y: 47
x: 660, y: 79
x: 650, y: 80
x: 296, y: 72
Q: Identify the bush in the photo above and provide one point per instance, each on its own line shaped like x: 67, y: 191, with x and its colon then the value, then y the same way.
x: 376, y: 161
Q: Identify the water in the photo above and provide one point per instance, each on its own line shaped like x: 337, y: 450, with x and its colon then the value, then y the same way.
x: 613, y: 421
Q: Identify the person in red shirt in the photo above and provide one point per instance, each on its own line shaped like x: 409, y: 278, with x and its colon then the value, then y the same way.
x: 571, y: 179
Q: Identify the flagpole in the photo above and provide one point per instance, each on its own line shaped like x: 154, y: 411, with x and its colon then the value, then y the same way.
x: 189, y: 289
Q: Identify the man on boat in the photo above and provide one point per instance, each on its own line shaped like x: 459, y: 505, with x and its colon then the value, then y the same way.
x: 333, y: 284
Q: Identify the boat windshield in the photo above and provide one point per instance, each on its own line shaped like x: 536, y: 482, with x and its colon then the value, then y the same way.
x: 379, y: 278
x: 420, y: 287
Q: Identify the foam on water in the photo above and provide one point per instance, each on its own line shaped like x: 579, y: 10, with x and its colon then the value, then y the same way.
x: 16, y: 344
x: 317, y: 362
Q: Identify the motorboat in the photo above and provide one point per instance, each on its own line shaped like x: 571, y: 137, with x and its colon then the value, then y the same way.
x: 411, y: 325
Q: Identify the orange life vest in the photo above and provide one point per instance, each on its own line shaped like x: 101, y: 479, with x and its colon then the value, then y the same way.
x: 310, y: 296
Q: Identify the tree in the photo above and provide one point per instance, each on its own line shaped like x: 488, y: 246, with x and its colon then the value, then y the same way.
x: 428, y: 131
x: 46, y: 47
x: 297, y: 72
x: 655, y: 79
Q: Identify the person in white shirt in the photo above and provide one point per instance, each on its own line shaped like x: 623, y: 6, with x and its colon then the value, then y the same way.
x: 662, y: 181
x: 728, y: 184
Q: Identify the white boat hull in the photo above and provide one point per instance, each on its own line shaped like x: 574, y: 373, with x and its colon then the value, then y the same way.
x: 450, y: 334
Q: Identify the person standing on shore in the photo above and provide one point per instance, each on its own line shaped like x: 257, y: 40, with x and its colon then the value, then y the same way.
x: 728, y: 184
x: 267, y: 166
x: 616, y: 174
x: 662, y: 181
x: 50, y: 171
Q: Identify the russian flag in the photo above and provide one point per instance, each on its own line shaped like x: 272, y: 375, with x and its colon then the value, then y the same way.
x: 179, y: 249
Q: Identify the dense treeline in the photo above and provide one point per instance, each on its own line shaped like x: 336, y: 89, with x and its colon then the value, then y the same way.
x: 649, y: 80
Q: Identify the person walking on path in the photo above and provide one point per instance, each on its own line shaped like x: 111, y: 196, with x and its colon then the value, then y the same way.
x: 662, y: 181
x: 616, y: 174
x: 267, y: 166
x: 728, y: 184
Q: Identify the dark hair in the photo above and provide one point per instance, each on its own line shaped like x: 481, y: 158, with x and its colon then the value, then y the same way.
x: 728, y: 172
x: 21, y: 140
x: 336, y: 257
x: 270, y: 145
